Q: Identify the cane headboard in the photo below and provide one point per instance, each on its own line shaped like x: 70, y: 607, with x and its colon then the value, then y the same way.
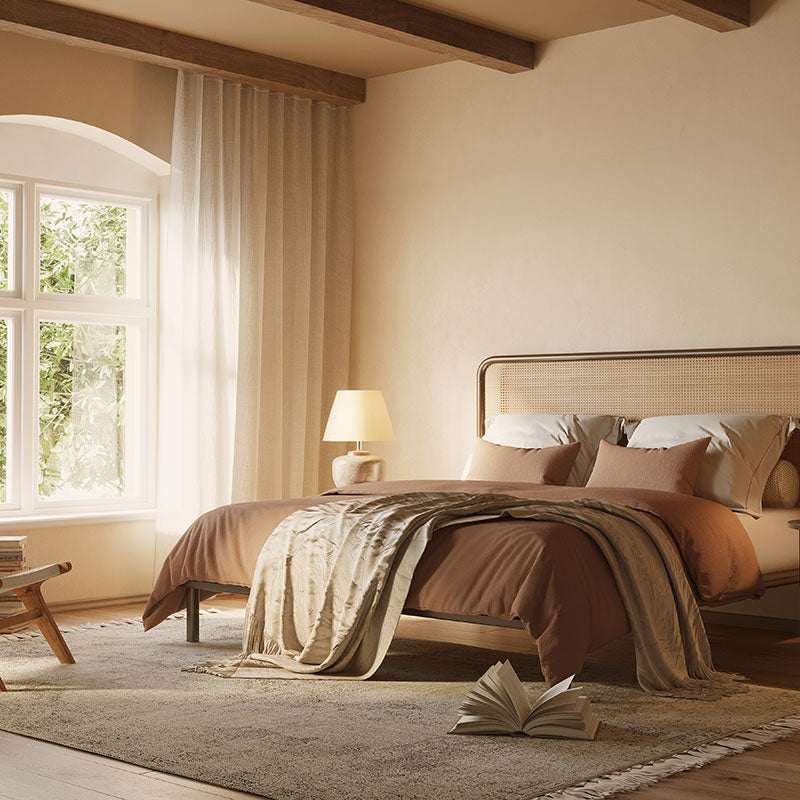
x: 747, y: 380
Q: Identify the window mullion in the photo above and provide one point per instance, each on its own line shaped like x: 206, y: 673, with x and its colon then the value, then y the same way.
x: 29, y: 359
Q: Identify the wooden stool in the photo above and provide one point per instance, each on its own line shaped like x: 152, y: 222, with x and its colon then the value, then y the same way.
x: 28, y: 587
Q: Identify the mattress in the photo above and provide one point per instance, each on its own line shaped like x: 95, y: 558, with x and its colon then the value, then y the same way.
x: 777, y: 546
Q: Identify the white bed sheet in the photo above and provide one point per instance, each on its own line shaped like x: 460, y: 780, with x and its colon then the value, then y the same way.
x: 775, y: 543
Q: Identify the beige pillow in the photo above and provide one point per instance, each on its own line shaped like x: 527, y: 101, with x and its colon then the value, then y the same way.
x: 493, y: 462
x: 783, y: 486
x: 546, y: 430
x: 744, y: 450
x: 665, y: 469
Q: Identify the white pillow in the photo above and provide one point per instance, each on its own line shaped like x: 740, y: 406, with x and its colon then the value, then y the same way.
x: 546, y: 430
x: 744, y: 449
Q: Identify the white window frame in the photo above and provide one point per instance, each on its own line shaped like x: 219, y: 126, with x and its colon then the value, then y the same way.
x: 25, y: 306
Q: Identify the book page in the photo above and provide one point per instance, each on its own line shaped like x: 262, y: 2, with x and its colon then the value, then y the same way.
x: 553, y: 691
x: 579, y: 723
x: 497, y: 683
x: 566, y: 699
x: 486, y: 708
x: 515, y: 691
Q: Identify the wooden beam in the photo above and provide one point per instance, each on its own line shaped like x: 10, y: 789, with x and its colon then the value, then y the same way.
x: 720, y: 15
x: 419, y: 27
x: 105, y: 34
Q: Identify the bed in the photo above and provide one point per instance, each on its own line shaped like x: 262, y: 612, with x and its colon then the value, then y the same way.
x: 775, y: 545
x: 544, y: 577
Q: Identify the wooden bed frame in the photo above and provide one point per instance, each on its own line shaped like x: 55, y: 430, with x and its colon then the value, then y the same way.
x: 634, y: 384
x: 193, y: 589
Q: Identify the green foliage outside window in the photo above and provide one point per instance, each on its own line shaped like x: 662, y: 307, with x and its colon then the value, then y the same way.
x: 83, y: 250
x: 83, y: 247
x: 81, y: 410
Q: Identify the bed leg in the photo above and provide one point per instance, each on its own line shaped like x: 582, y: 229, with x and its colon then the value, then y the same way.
x: 192, y: 614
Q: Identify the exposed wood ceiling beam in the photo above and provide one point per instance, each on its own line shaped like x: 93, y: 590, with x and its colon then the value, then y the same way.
x: 721, y: 15
x: 157, y: 46
x: 419, y: 27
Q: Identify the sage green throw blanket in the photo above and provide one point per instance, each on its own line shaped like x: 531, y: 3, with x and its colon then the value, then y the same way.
x: 331, y: 582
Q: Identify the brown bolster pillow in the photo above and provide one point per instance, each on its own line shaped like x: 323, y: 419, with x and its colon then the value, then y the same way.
x: 665, y: 469
x: 542, y: 465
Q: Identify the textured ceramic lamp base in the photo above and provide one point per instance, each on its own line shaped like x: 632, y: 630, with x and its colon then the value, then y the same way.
x: 358, y: 466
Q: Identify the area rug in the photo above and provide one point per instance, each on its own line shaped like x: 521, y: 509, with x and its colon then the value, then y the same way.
x: 127, y: 698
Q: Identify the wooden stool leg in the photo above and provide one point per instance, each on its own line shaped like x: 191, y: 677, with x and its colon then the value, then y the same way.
x: 31, y: 596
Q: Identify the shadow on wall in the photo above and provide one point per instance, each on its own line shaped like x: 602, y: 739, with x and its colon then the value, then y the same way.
x: 761, y: 8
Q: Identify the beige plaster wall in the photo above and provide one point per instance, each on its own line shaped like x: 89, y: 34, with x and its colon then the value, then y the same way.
x: 638, y: 189
x: 109, y: 560
x: 125, y: 97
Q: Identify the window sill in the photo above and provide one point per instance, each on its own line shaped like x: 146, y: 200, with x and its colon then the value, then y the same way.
x: 70, y: 519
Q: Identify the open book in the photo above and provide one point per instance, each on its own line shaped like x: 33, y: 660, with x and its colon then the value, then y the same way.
x: 498, y: 704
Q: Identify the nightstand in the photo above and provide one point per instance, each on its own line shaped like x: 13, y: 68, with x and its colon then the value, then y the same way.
x: 795, y: 524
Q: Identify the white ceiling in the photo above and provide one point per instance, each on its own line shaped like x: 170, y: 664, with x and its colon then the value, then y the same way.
x: 252, y: 26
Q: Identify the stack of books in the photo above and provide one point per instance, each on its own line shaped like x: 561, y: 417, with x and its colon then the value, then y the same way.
x: 12, y: 559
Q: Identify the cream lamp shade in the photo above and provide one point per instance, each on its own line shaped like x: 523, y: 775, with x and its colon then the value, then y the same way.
x: 358, y: 415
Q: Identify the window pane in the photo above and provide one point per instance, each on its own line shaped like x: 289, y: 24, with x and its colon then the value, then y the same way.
x: 6, y: 209
x: 81, y: 411
x: 85, y: 247
x: 3, y: 410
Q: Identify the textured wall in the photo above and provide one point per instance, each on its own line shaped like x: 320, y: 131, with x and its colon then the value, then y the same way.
x: 638, y: 189
x: 125, y: 97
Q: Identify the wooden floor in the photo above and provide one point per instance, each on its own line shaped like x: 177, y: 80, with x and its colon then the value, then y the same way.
x: 33, y: 770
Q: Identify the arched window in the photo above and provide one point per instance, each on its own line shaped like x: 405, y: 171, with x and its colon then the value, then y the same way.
x: 77, y: 316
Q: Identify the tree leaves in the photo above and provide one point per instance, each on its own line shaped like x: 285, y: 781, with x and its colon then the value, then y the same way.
x: 83, y: 250
x: 82, y: 247
x: 81, y: 410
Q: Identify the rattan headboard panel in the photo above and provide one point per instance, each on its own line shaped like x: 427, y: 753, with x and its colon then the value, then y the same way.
x: 646, y: 384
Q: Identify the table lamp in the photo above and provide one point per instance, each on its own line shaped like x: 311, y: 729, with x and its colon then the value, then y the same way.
x: 358, y: 415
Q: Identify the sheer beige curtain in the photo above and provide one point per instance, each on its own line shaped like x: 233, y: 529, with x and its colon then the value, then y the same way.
x: 254, y: 297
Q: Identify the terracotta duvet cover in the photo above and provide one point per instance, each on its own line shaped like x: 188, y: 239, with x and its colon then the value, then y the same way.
x: 549, y: 575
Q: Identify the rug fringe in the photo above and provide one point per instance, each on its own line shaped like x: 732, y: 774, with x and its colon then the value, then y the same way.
x: 111, y: 623
x: 642, y: 775
x: 223, y: 670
